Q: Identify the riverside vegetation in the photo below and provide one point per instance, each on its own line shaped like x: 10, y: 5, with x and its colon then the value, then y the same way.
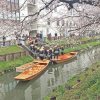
x: 83, y: 86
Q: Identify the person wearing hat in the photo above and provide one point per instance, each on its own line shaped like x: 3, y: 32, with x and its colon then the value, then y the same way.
x: 50, y: 53
x: 41, y: 54
x: 35, y: 51
x: 45, y: 52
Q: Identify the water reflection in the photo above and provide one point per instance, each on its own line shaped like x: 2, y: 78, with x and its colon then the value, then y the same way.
x: 55, y: 75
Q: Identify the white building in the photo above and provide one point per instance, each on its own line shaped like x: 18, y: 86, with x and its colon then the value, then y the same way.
x: 54, y: 22
x: 59, y: 21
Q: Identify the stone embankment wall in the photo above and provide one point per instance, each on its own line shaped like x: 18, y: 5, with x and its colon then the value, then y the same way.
x: 13, y: 56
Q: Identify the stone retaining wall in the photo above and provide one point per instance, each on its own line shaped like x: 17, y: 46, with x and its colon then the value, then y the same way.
x: 13, y: 56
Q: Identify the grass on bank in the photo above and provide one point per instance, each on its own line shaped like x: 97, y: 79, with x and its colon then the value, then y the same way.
x: 84, y: 86
x: 10, y: 49
x: 82, y: 46
x: 70, y: 40
x: 4, y: 65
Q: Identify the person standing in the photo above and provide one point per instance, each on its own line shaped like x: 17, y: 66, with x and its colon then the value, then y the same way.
x: 50, y: 53
x: 4, y: 39
x: 56, y: 52
x: 55, y: 36
x: 45, y: 52
x: 41, y: 54
x: 62, y: 50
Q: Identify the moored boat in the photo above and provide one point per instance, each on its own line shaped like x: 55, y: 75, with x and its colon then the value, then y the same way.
x: 64, y: 57
x: 34, y: 71
x: 24, y: 67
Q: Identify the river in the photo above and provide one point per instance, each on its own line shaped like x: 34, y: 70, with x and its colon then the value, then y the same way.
x: 54, y: 76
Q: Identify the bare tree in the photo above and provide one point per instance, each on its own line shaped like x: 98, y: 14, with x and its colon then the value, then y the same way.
x: 88, y: 20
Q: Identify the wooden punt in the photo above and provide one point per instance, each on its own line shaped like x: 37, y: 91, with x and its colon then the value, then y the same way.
x: 33, y: 72
x: 64, y: 57
x: 25, y: 66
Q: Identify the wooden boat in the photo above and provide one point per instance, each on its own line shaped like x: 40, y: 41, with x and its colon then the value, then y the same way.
x: 33, y: 72
x: 64, y: 57
x: 25, y: 66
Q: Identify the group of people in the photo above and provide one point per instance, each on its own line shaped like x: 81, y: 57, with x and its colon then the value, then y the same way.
x: 47, y: 53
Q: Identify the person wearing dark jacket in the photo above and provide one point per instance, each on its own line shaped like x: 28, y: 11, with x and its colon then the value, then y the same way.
x: 56, y: 52
x: 45, y: 53
x: 62, y: 50
x: 41, y: 54
x: 50, y: 52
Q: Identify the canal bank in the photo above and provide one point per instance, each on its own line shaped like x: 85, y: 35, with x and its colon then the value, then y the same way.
x: 11, y: 57
x: 83, y: 86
